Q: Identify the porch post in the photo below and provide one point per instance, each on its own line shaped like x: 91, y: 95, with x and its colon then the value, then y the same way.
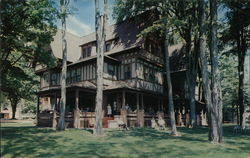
x: 54, y: 122
x: 55, y: 109
x: 77, y: 99
x: 137, y: 101
x: 37, y: 110
x: 142, y: 102
x: 76, y: 110
x: 123, y: 110
x: 140, y: 113
x: 123, y: 99
x: 38, y: 104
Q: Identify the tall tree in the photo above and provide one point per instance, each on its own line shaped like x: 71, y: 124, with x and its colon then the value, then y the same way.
x: 63, y: 13
x: 169, y: 86
x: 185, y: 14
x: 204, y: 62
x: 26, y: 30
x: 101, y: 21
x: 237, y: 36
x: 20, y: 82
x: 216, y: 110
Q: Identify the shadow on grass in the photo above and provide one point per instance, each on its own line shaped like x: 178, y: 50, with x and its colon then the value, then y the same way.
x: 137, y: 142
x: 27, y: 140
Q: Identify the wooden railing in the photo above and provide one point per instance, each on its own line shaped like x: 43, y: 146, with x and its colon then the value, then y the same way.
x: 87, y: 119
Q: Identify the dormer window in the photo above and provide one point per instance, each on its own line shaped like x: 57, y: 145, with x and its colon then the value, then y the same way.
x: 107, y: 46
x: 86, y: 52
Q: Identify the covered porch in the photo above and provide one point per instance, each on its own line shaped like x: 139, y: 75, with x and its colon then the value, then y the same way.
x: 135, y: 108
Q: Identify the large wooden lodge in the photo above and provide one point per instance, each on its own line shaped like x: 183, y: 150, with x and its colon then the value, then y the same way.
x: 133, y: 80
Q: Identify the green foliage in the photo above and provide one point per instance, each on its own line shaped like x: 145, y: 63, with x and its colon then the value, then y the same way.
x: 29, y: 107
x: 229, y: 80
x: 173, y: 15
x: 27, y: 29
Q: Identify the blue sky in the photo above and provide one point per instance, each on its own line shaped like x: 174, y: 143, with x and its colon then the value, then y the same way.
x: 82, y: 22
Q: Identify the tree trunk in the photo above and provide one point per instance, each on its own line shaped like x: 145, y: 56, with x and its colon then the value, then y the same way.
x: 216, y: 115
x: 100, y: 40
x: 203, y: 59
x: 61, y: 122
x: 191, y: 80
x: 241, y: 57
x: 14, y: 102
x: 169, y: 86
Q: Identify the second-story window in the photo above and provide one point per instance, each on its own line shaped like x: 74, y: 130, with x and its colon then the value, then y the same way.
x: 146, y: 73
x: 45, y: 82
x: 73, y: 76
x: 86, y: 52
x: 78, y: 74
x: 68, y: 79
x: 127, y: 72
x: 111, y: 69
x: 54, y: 79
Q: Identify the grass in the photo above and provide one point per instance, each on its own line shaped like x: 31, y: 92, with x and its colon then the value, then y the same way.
x: 26, y: 140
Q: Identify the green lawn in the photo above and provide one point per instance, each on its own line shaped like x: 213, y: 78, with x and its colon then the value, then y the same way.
x: 25, y: 140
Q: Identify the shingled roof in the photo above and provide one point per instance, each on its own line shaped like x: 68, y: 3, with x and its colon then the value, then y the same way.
x: 124, y: 34
x: 73, y: 49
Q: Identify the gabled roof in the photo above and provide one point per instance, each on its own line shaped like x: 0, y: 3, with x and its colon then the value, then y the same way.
x: 73, y: 49
x: 124, y: 34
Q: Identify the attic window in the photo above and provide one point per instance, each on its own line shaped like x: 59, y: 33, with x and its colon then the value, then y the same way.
x: 86, y: 52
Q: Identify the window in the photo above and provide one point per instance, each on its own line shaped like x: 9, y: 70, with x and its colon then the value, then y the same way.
x: 146, y: 73
x: 78, y: 74
x: 89, y: 51
x: 127, y: 72
x: 151, y: 75
x: 86, y: 52
x: 53, y: 79
x: 68, y: 80
x: 45, y: 80
x: 73, y: 76
x: 111, y: 70
x: 107, y: 47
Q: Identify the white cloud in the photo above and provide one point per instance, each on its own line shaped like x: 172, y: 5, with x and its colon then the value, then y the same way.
x: 77, y: 27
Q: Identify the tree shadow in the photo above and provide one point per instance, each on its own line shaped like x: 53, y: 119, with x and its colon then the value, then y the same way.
x: 136, y: 142
x: 27, y: 140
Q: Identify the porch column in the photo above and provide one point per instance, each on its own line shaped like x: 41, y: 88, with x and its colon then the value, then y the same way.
x: 54, y: 102
x: 37, y: 110
x: 138, y: 101
x: 123, y: 110
x: 77, y: 99
x: 142, y: 102
x: 38, y: 104
x: 76, y: 110
x: 140, y: 112
x: 123, y: 99
x: 54, y: 121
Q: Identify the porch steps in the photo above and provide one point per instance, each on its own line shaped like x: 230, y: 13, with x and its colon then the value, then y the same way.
x: 114, y: 123
x: 105, y: 121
